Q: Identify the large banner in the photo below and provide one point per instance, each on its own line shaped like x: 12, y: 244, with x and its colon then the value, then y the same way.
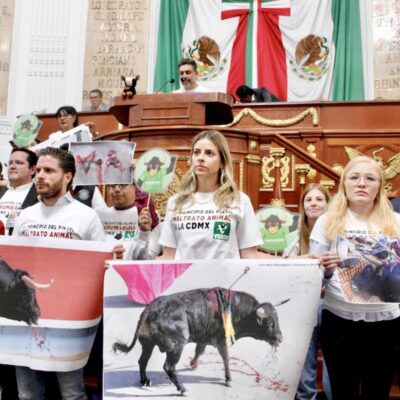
x: 221, y: 329
x: 50, y: 301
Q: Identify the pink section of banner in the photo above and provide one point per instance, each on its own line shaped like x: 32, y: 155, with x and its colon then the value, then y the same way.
x: 146, y: 282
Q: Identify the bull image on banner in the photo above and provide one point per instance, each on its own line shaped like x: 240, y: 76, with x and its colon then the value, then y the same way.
x: 50, y: 301
x: 223, y: 329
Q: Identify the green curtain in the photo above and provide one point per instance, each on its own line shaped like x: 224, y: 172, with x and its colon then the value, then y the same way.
x: 348, y: 77
x: 172, y: 21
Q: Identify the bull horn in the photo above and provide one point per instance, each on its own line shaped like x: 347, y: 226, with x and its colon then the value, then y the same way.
x: 34, y: 285
x: 282, y: 302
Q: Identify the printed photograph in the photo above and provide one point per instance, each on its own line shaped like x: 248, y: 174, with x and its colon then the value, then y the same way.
x: 50, y: 300
x: 239, y: 329
x: 371, y: 273
x: 103, y: 162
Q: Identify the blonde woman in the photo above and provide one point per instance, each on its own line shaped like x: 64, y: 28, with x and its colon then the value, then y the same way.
x: 210, y: 218
x: 359, y: 341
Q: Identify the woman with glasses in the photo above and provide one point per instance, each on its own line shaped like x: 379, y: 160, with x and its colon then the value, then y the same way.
x: 360, y: 341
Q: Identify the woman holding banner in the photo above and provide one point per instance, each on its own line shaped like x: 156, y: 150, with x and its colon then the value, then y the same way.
x: 313, y: 203
x: 360, y: 341
x: 210, y: 218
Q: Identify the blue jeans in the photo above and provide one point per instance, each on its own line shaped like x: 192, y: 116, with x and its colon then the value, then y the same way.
x: 307, y: 389
x: 32, y: 383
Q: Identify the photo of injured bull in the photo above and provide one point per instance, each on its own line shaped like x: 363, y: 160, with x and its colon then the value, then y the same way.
x: 226, y: 329
x: 51, y: 293
x: 371, y: 273
x: 103, y: 162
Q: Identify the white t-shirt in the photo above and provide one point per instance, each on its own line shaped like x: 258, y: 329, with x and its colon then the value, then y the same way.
x: 119, y: 224
x: 197, y: 89
x: 333, y: 299
x: 123, y: 225
x: 10, y: 204
x: 67, y: 219
x: 201, y: 231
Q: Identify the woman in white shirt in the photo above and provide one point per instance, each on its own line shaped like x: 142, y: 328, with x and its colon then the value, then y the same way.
x: 360, y: 341
x: 210, y: 218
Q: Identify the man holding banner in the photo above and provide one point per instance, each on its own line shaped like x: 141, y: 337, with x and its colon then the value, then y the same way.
x: 57, y: 215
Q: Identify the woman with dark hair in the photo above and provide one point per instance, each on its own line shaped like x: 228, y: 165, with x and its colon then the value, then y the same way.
x: 360, y: 341
x: 67, y: 118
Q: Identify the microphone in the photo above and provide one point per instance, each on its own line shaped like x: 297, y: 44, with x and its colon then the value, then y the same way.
x: 172, y: 80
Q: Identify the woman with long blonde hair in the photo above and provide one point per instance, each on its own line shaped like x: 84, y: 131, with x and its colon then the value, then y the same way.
x: 359, y: 340
x: 209, y: 217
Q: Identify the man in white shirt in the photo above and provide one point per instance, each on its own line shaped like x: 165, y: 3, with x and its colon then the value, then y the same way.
x: 188, y: 77
x: 57, y: 214
x: 21, y: 192
x: 125, y: 222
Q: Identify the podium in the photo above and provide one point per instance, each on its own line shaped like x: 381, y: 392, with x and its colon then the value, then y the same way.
x: 173, y: 109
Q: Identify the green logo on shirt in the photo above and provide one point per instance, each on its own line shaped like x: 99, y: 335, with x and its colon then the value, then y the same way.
x: 129, y: 234
x: 221, y: 230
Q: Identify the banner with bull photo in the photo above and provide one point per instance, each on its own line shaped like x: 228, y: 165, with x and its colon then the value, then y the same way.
x: 51, y: 293
x: 223, y: 329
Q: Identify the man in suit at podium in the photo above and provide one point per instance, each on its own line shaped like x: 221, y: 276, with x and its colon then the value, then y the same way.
x: 188, y: 77
x: 256, y: 95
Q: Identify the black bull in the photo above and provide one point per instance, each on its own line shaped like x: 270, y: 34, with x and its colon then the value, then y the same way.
x: 18, y: 295
x: 170, y: 322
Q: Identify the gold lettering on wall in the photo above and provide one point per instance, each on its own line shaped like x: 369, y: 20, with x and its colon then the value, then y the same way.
x: 6, y: 28
x: 386, y: 34
x: 116, y: 44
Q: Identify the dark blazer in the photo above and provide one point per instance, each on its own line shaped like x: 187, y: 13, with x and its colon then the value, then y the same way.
x: 263, y: 95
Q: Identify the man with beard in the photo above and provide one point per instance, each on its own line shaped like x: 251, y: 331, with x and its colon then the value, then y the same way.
x: 57, y: 214
x: 188, y: 77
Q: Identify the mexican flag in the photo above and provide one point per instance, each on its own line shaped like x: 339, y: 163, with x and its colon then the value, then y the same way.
x: 300, y: 50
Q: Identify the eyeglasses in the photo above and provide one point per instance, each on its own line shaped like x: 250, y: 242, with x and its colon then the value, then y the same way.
x: 17, y: 162
x: 368, y: 179
x: 121, y: 186
x: 94, y: 97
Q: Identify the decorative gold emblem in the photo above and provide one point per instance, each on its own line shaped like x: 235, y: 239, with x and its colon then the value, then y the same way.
x: 268, y: 165
x: 391, y: 168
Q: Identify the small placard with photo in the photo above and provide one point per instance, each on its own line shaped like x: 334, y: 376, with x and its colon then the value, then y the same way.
x: 105, y: 162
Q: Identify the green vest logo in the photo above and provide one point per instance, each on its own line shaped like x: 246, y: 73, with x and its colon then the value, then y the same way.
x: 129, y: 235
x: 221, y: 230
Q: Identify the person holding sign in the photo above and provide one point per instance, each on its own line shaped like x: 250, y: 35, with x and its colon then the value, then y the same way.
x: 210, y: 218
x: 360, y: 341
